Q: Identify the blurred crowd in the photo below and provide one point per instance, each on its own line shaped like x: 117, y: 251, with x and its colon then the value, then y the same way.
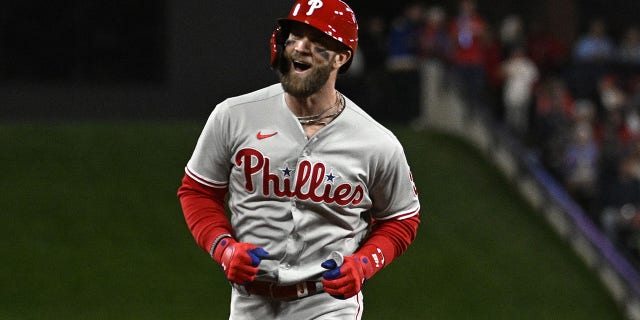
x: 577, y: 104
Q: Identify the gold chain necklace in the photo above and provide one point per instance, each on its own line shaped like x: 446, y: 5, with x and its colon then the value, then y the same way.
x: 316, y: 118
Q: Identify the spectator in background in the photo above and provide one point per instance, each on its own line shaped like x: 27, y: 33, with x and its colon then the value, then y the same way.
x: 621, y: 218
x: 403, y: 62
x: 629, y: 48
x: 611, y: 96
x: 633, y: 95
x: 592, y: 53
x: 512, y: 34
x: 611, y: 152
x: 553, y: 113
x: 494, y: 81
x: 632, y: 121
x: 468, y: 29
x: 435, y: 54
x: 372, y: 42
x: 554, y: 98
x: 614, y: 134
x: 435, y: 42
x: 613, y: 130
x: 403, y: 39
x: 631, y: 169
x: 595, y: 45
x: 520, y: 75
x: 546, y: 50
x: 580, y: 165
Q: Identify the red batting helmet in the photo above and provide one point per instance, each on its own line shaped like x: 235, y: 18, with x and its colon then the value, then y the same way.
x: 333, y: 17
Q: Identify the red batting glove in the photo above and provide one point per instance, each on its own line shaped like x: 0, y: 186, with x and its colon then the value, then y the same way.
x: 345, y: 281
x: 239, y: 260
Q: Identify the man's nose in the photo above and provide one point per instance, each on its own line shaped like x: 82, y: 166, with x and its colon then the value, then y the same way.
x: 302, y: 44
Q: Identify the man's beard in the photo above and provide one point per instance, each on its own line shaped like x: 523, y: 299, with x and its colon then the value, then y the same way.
x: 303, y: 87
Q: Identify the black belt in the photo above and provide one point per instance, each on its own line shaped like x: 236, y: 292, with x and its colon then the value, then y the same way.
x: 286, y: 292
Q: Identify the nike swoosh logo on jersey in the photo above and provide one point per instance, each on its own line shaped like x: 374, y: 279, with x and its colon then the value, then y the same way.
x: 261, y: 135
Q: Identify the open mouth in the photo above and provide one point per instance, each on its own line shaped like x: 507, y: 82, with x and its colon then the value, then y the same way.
x: 300, y: 66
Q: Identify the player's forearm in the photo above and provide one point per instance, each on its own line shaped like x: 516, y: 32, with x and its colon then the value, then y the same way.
x: 203, y: 209
x: 389, y: 240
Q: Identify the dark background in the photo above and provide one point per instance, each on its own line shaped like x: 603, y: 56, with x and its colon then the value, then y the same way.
x: 91, y: 217
x: 169, y: 58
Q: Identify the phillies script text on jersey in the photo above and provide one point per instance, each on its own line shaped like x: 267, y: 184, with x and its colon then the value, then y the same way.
x: 311, y: 177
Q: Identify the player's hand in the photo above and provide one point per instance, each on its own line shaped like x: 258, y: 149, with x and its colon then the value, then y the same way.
x: 346, y: 280
x: 239, y: 260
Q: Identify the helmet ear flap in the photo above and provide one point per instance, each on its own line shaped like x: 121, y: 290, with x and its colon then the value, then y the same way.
x: 276, y: 43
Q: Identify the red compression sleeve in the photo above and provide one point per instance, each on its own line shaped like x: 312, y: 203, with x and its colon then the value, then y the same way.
x: 388, y: 240
x: 204, y: 212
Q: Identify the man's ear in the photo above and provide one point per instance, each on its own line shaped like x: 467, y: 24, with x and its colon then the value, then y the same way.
x: 341, y: 58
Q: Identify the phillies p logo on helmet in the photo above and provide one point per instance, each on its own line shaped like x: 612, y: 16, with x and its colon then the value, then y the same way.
x: 313, y: 5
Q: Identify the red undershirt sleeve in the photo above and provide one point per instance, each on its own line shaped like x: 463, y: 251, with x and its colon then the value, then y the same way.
x: 204, y: 211
x: 388, y: 240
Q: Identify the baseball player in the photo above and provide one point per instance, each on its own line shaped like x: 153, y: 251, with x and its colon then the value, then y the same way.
x: 319, y: 195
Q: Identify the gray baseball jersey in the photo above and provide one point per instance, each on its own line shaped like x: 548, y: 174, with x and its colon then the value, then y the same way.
x: 301, y: 198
